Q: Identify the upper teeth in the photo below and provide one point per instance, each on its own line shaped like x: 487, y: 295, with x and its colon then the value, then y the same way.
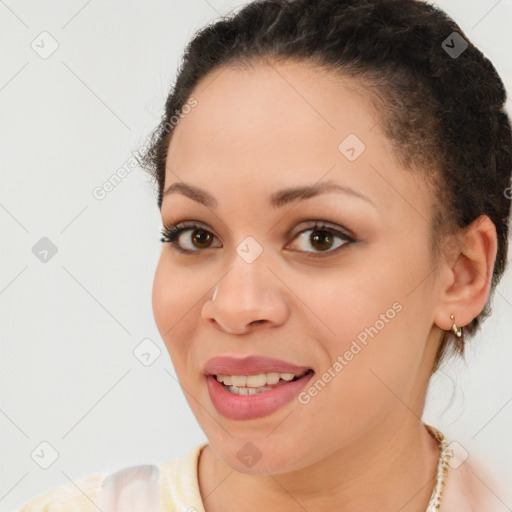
x: 255, y: 381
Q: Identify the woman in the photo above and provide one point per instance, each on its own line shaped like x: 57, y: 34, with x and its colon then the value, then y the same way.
x: 332, y: 178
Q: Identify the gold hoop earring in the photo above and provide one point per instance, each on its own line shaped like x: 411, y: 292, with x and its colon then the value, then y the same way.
x: 455, y: 328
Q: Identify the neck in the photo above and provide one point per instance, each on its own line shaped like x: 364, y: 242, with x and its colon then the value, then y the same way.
x: 392, y: 467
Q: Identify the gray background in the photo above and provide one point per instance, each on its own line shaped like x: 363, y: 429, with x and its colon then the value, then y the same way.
x: 69, y: 325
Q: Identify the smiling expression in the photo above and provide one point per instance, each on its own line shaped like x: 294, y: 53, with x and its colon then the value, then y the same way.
x: 323, y: 266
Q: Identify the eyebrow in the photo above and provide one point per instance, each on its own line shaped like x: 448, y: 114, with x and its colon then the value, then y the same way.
x: 277, y: 200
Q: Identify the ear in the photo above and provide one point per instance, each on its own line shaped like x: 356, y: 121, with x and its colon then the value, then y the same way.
x: 467, y: 274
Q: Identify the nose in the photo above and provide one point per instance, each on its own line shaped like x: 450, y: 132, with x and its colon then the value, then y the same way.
x: 248, y: 297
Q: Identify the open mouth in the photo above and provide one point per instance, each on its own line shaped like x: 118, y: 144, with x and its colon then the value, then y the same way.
x: 246, y: 385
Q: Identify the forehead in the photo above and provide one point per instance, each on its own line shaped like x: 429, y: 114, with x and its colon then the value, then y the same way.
x: 274, y: 125
x: 275, y: 107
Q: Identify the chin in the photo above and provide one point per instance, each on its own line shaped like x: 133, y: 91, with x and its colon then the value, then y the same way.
x: 259, y: 457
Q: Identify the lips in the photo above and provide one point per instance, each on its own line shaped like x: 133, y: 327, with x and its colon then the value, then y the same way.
x: 242, y: 403
x: 250, y: 365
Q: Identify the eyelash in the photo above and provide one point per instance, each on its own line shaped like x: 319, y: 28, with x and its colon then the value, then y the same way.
x: 170, y: 234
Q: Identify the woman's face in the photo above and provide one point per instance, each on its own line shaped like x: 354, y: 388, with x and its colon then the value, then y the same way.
x: 353, y: 300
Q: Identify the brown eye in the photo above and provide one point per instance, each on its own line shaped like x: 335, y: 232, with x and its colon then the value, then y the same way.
x: 323, y: 239
x: 196, y: 240
x: 201, y: 238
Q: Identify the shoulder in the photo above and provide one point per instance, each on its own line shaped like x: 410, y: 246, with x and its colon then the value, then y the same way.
x: 143, y: 487
x: 180, y: 477
x: 79, y: 495
x: 471, y: 487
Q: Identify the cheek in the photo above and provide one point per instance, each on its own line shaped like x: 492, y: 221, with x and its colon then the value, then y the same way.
x: 368, y: 319
x: 162, y: 299
x: 347, y: 302
x: 173, y: 300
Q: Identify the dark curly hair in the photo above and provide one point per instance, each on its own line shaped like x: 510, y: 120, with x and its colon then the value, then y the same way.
x: 443, y: 112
